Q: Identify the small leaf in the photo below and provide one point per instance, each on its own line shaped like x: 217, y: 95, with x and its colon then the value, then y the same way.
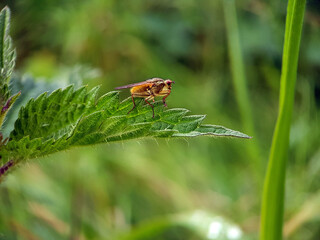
x: 9, y: 103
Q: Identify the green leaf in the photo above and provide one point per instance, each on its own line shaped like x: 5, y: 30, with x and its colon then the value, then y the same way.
x: 7, y: 62
x: 7, y: 55
x: 68, y: 118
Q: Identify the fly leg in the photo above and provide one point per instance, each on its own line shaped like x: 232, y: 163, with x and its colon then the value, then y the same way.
x: 164, y: 100
x: 134, y: 104
x: 146, y: 100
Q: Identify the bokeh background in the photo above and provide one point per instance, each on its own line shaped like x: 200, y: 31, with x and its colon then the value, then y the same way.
x: 201, y: 188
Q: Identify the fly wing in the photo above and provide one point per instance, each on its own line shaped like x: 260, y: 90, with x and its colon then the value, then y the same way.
x: 132, y: 85
x: 152, y: 80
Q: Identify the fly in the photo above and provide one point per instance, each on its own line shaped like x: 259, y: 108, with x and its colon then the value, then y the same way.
x: 150, y: 89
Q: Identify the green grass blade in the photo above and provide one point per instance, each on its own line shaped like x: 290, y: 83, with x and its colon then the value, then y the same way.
x: 273, y: 193
x: 237, y: 65
x: 240, y: 85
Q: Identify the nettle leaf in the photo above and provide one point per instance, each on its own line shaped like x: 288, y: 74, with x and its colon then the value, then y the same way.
x: 7, y: 55
x: 68, y: 118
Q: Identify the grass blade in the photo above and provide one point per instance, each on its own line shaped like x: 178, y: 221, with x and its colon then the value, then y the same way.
x: 239, y: 79
x: 273, y: 192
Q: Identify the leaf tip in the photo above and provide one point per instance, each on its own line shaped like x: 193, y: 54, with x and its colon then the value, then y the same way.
x: 6, y: 8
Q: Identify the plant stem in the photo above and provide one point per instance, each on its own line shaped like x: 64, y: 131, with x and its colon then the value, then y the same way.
x: 274, y: 186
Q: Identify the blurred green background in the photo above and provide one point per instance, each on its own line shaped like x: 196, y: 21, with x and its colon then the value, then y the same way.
x: 201, y: 188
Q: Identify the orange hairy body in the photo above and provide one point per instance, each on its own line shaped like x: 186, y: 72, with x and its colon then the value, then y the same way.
x: 142, y: 90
